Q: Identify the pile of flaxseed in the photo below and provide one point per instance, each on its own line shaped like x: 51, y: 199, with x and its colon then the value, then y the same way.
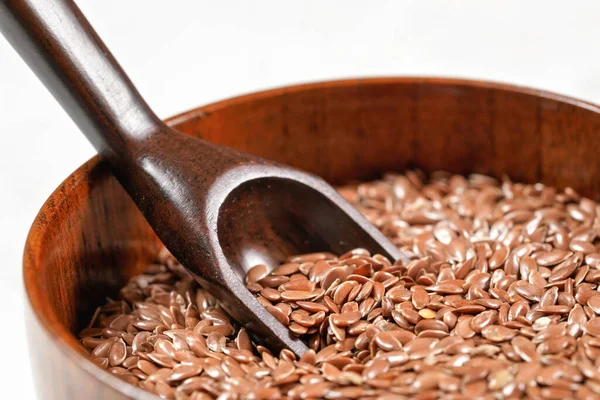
x: 499, y: 300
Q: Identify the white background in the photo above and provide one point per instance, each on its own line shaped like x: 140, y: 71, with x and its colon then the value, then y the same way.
x: 182, y: 54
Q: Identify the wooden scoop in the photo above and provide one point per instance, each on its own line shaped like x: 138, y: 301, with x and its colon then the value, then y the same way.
x: 219, y: 211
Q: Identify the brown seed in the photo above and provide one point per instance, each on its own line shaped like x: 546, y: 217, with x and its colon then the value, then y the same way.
x: 583, y: 295
x: 464, y: 330
x: 283, y: 370
x: 349, y: 392
x: 524, y: 348
x: 469, y: 309
x: 146, y: 367
x: 482, y: 320
x: 272, y: 281
x: 342, y: 291
x: 286, y: 269
x: 499, y: 257
x: 334, y: 276
x: 500, y: 298
x: 419, y: 345
x: 430, y: 324
x: 103, y: 349
x: 378, y: 290
x: 554, y: 309
x: 593, y: 260
x: 243, y: 341
x: 582, y: 246
x: 552, y: 257
x: 479, y: 279
x: 257, y: 273
x: 312, y: 257
x: 296, y: 284
x: 270, y: 294
x: 312, y: 306
x: 90, y: 332
x: 387, y: 341
x: 592, y: 327
x: 594, y: 303
x: 563, y: 270
x: 420, y: 298
x: 445, y: 288
x: 425, y: 313
x: 183, y: 371
x: 162, y: 360
x: 555, y: 393
x: 375, y: 368
x: 497, y: 333
x: 550, y: 297
x: 164, y: 347
x: 346, y: 318
x: 474, y: 389
x: 526, y: 266
x: 301, y: 329
x: 304, y: 319
x: 529, y: 291
x: 295, y: 295
x: 498, y: 380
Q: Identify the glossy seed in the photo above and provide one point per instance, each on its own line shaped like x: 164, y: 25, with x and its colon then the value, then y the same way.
x: 295, y: 295
x: 498, y: 299
x: 427, y: 313
x: 498, y: 333
x: 118, y: 353
x: 420, y: 298
x: 257, y: 273
x: 524, y: 348
x: 594, y: 303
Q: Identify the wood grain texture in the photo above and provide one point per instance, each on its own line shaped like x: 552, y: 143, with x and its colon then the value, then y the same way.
x: 78, y: 252
x: 89, y: 237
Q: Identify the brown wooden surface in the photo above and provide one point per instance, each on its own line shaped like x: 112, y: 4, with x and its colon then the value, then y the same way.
x: 89, y: 237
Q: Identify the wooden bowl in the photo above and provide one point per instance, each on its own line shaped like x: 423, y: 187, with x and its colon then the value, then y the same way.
x: 89, y: 238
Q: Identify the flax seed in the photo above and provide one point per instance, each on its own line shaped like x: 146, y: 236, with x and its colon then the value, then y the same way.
x: 257, y: 273
x: 498, y: 300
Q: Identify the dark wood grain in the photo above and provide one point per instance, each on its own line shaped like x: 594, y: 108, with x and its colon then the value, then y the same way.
x: 89, y: 237
x: 219, y: 211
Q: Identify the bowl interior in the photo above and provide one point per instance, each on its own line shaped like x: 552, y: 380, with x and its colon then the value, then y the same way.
x: 89, y: 238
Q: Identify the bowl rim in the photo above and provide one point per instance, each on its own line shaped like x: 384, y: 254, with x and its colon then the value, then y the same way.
x: 64, y: 340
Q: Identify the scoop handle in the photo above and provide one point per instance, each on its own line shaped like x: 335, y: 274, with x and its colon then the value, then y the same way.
x: 64, y: 51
